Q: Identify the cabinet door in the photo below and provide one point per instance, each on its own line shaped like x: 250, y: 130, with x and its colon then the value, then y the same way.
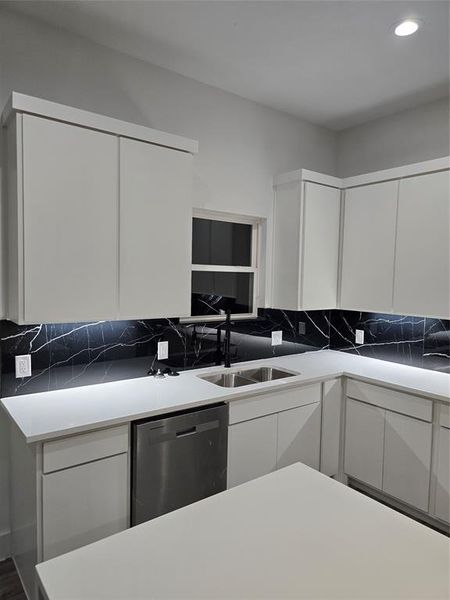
x: 320, y: 248
x: 364, y: 437
x: 422, y: 266
x: 331, y: 420
x: 83, y: 504
x: 155, y: 231
x: 70, y: 205
x: 299, y: 436
x: 407, y: 459
x: 286, y: 247
x: 368, y: 247
x: 252, y: 449
x: 442, y: 508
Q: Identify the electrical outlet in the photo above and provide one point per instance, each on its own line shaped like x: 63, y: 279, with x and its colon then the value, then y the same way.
x: 277, y: 338
x: 163, y: 350
x: 359, y: 336
x: 23, y: 366
x: 302, y: 328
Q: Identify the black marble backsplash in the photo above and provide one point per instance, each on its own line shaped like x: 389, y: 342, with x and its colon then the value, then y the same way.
x: 70, y: 355
x: 416, y: 341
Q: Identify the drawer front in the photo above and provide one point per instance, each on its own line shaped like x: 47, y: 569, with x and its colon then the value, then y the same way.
x: 273, y: 402
x: 407, y: 404
x: 444, y: 418
x: 79, y: 449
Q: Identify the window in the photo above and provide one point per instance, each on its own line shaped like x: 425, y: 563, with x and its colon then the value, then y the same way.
x: 224, y: 265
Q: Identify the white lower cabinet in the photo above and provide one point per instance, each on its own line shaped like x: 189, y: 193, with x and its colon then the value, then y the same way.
x: 299, y: 436
x: 252, y: 449
x: 83, y: 504
x: 288, y: 432
x: 442, y: 472
x: 407, y: 459
x: 364, y: 439
x: 388, y: 450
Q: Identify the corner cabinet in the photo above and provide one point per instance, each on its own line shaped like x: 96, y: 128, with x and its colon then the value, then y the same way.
x: 368, y: 249
x: 305, y: 241
x: 99, y: 224
x: 388, y: 442
x: 396, y: 241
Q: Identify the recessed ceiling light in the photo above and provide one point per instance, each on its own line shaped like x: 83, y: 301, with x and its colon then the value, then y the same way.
x: 407, y: 27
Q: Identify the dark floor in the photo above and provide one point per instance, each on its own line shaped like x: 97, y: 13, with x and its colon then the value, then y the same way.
x: 10, y: 586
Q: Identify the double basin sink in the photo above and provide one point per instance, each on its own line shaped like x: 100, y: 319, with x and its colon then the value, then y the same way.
x: 247, y: 377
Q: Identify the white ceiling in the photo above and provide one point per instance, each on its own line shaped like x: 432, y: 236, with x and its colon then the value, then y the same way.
x: 336, y: 62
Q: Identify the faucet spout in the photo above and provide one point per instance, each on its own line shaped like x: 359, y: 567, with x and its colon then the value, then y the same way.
x: 227, y: 352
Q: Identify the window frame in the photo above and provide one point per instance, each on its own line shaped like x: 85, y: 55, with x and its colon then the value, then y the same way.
x: 255, y: 222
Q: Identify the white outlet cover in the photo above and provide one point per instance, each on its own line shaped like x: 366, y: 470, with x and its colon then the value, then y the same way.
x: 163, y: 350
x: 23, y: 366
x: 277, y: 338
x: 359, y: 336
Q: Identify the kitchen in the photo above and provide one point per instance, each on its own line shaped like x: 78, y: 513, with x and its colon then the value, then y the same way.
x: 319, y: 222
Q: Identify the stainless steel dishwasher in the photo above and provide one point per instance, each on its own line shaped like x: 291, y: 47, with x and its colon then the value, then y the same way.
x: 177, y: 460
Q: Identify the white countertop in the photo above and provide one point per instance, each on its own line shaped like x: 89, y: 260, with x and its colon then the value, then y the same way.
x: 292, y: 534
x: 48, y: 415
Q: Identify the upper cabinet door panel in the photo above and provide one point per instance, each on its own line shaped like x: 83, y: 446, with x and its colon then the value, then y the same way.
x: 369, y: 247
x: 155, y: 231
x: 70, y: 196
x: 322, y: 207
x: 422, y: 266
x: 286, y: 253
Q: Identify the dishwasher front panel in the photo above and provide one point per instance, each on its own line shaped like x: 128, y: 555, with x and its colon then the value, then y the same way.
x: 178, y: 460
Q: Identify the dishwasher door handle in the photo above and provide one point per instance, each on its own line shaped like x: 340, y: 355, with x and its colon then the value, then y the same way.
x: 185, y: 432
x: 200, y: 428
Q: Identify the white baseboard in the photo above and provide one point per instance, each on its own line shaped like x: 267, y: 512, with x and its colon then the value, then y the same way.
x: 5, y: 551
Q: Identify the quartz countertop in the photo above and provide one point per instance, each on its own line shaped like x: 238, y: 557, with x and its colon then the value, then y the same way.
x: 47, y: 415
x: 292, y: 534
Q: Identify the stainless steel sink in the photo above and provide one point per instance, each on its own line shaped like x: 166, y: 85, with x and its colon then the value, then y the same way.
x: 247, y: 376
x: 229, y: 380
x: 266, y: 374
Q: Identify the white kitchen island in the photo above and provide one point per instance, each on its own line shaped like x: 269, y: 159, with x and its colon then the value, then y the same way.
x: 292, y: 534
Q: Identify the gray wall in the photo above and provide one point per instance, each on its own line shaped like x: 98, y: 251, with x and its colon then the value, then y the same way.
x: 242, y: 144
x: 407, y: 137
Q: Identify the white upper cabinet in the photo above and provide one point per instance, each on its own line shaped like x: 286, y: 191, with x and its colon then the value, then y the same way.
x: 369, y: 247
x: 306, y: 244
x: 94, y: 231
x: 320, y: 246
x: 155, y: 231
x: 70, y: 204
x: 422, y: 264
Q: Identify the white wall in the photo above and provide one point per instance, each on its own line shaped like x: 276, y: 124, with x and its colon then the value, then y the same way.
x: 242, y: 144
x: 407, y: 137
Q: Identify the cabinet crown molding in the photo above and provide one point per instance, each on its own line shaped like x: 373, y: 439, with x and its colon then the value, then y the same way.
x: 421, y: 168
x: 75, y: 116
